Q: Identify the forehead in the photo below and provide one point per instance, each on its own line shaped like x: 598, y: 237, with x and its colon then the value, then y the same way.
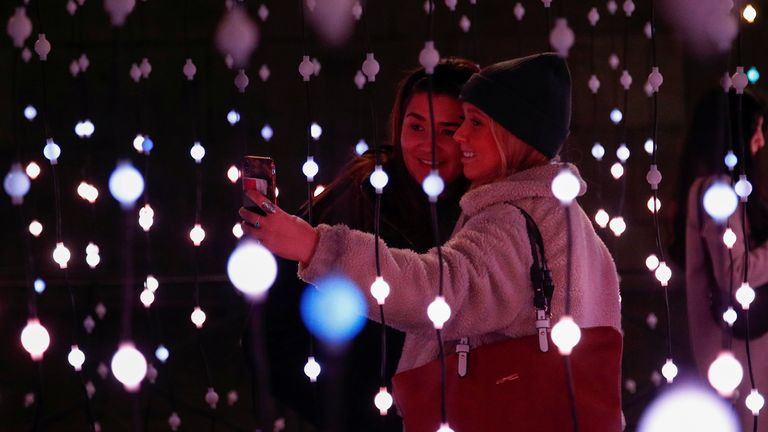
x: 420, y: 101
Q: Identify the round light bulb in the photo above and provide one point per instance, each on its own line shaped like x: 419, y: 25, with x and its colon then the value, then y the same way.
x: 16, y: 183
x: 730, y: 316
x: 380, y: 289
x: 565, y: 186
x: 310, y: 168
x: 138, y: 143
x: 729, y: 238
x: 725, y: 373
x: 617, y: 170
x: 126, y: 184
x: 648, y: 146
x: 566, y: 334
x: 602, y: 218
x: 76, y: 358
x: 720, y: 201
x: 312, y: 369
x: 663, y: 273
x: 444, y: 428
x: 211, y: 398
x: 92, y: 259
x: 266, y: 132
x: 39, y: 285
x: 197, y: 152
x: 61, y: 255
x: 146, y: 217
x: 743, y: 187
x: 749, y: 13
x: 30, y: 112
x: 745, y: 295
x: 653, y: 205
x: 598, y: 151
x: 618, y: 226
x: 147, y: 297
x: 379, y: 178
x: 35, y: 228
x: 33, y: 170
x: 433, y: 185
x: 233, y: 117
x: 233, y: 174
x: 383, y: 401
x: 198, y: 317
x: 688, y: 407
x: 318, y: 190
x: 439, y: 312
x: 35, y: 339
x: 51, y: 151
x: 753, y: 75
x: 652, y: 262
x: 151, y: 283
x: 669, y: 371
x: 252, y: 269
x: 730, y: 160
x: 197, y: 234
x: 622, y: 153
x: 616, y: 116
x: 361, y: 147
x: 237, y: 230
x: 754, y: 402
x: 162, y: 353
x: 129, y: 366
x: 315, y: 131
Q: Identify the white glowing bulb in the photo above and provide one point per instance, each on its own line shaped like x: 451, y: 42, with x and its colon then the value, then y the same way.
x: 745, y: 295
x: 380, y: 289
x: 237, y: 230
x: 312, y: 369
x: 35, y: 339
x: 39, y: 285
x: 92, y: 259
x: 618, y: 226
x: 151, y: 283
x: 61, y: 255
x: 720, y: 201
x: 198, y: 317
x: 749, y: 13
x: 138, y: 143
x: 76, y: 358
x: 252, y: 269
x: 688, y: 407
x: 88, y: 192
x: 379, y: 179
x: 754, y: 402
x: 126, y: 184
x: 729, y: 238
x: 147, y: 297
x: 266, y: 132
x: 648, y: 146
x: 35, y: 228
x: 669, y: 370
x: 310, y: 168
x: 617, y: 170
x: 652, y: 262
x: 598, y: 151
x: 318, y: 190
x: 730, y: 316
x: 233, y: 117
x: 730, y: 160
x: 129, y: 366
x: 197, y: 152
x: 197, y: 234
x: 146, y: 217
x: 602, y: 218
x: 622, y: 153
x: 85, y: 129
x: 30, y: 112
x: 725, y: 373
x: 439, y: 312
x: 565, y: 186
x: 663, y: 273
x: 51, y: 151
x: 433, y: 185
x: 566, y: 334
x: 361, y: 147
x: 653, y: 205
x: 444, y: 428
x: 162, y: 353
x: 383, y: 401
x: 743, y: 187
x: 33, y: 170
x: 315, y: 131
x: 233, y: 174
x: 616, y: 116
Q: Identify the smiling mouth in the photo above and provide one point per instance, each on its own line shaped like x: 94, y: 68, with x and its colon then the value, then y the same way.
x: 468, y: 155
x: 428, y: 162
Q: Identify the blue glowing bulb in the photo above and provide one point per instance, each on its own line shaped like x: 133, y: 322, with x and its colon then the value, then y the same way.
x: 616, y: 116
x: 162, y: 353
x: 39, y: 285
x: 361, y: 147
x: 147, y: 144
x: 126, y: 184
x: 267, y: 132
x: 16, y: 183
x: 334, y: 311
x: 753, y: 75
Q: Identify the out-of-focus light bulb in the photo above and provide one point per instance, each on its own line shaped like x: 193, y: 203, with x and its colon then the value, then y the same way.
x: 380, y: 290
x: 602, y: 218
x: 663, y: 273
x: 39, y: 285
x: 749, y: 13
x: 233, y: 174
x: 648, y: 146
x: 743, y: 188
x: 379, y: 179
x: 138, y: 143
x: 652, y: 262
x: 233, y: 117
x: 126, y: 184
x: 252, y: 269
x: 61, y: 255
x: 315, y: 131
x: 52, y: 151
x: 237, y: 230
x: 33, y: 170
x: 30, y: 112
x: 566, y: 334
x: 76, y: 358
x: 35, y: 228
x: 689, y: 407
x: 616, y: 116
x: 651, y: 207
x: 565, y: 186
x: 730, y: 316
x: 720, y: 201
x: 129, y: 366
x: 439, y: 312
x: 87, y: 192
x: 745, y: 295
x: 146, y: 217
x: 617, y: 170
x: 361, y: 147
x: 147, y: 297
x: 618, y: 226
x: 730, y: 160
x: 312, y: 369
x: 444, y: 427
x: 753, y: 75
x: 92, y: 255
x: 267, y: 133
x: 198, y: 317
x: 318, y: 190
x: 383, y: 401
x: 622, y: 153
x: 725, y: 373
x: 162, y: 353
x: 84, y: 129
x: 729, y: 238
x: 310, y: 168
x: 151, y: 283
x: 35, y: 339
x: 197, y: 234
x: 433, y: 185
x: 598, y: 151
x: 197, y: 152
x: 669, y: 370
x: 754, y: 402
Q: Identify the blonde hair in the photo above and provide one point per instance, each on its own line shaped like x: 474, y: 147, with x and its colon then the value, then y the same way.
x: 508, y: 145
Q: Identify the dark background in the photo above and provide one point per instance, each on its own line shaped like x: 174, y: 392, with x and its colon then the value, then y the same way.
x: 175, y: 113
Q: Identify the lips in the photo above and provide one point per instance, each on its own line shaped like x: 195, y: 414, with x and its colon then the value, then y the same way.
x: 467, y: 156
x: 428, y: 162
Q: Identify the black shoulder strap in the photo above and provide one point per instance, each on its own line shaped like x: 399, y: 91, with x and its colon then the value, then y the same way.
x: 541, y: 277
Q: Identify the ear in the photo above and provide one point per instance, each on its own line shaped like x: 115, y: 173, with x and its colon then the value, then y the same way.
x: 758, y: 139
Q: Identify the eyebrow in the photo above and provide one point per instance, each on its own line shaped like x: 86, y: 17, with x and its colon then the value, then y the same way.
x: 422, y: 118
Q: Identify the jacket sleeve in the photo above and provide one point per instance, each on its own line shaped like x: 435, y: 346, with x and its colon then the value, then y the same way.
x: 486, y: 272
x: 723, y: 269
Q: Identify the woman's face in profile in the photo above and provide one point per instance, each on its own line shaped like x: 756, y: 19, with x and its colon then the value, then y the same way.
x: 416, y: 136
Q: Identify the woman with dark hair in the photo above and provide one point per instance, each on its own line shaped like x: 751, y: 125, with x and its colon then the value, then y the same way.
x: 712, y: 271
x: 404, y: 223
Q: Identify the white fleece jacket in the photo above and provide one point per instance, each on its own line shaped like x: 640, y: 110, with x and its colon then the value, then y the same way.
x: 486, y: 268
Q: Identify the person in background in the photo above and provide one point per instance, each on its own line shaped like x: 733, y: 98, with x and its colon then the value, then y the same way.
x: 405, y: 223
x: 710, y: 270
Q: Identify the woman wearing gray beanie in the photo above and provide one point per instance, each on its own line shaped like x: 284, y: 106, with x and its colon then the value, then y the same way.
x: 517, y: 116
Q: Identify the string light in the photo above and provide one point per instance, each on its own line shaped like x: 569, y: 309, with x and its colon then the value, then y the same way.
x: 237, y: 230
x: 729, y: 238
x: 197, y: 234
x: 39, y: 285
x: 30, y: 112
x: 252, y: 269
x: 84, y: 129
x: 745, y: 295
x: 310, y: 168
x: 162, y: 353
x: 361, y: 147
x: 315, y: 131
x: 433, y: 185
x: 211, y: 398
x: 146, y: 217
x: 312, y: 369
x: 35, y: 339
x: 267, y: 133
x: 653, y: 205
x: 233, y: 117
x: 92, y: 255
x: 622, y: 153
x: 730, y: 316
x: 663, y: 273
x: 754, y: 402
x: 51, y: 151
x: 669, y: 371
x: 198, y: 317
x: 76, y: 358
x: 379, y: 179
x: 318, y: 190
x: 383, y: 401
x: 618, y: 226
x: 87, y: 192
x: 730, y: 160
x: 617, y: 170
x: 444, y: 428
x: 616, y: 116
x: 233, y: 174
x: 129, y: 366
x: 126, y: 184
x: 197, y: 152
x: 602, y: 218
x: 16, y: 184
x: 720, y: 201
x: 151, y: 283
x: 648, y: 146
x: 652, y: 262
x: 749, y: 13
x: 35, y: 228
x: 33, y: 170
x: 566, y: 335
x: 725, y: 373
x: 439, y: 312
x: 565, y: 186
x: 61, y: 255
x: 147, y: 297
x: 380, y: 290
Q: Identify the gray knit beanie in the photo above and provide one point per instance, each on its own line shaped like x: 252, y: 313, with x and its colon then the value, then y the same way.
x: 529, y: 96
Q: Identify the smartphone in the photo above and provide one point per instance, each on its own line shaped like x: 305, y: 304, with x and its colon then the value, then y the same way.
x: 259, y: 173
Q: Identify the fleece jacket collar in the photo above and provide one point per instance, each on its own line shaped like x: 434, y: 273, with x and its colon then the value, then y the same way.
x: 534, y: 182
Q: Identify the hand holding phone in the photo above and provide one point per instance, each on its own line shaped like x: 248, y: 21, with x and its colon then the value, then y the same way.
x: 259, y: 173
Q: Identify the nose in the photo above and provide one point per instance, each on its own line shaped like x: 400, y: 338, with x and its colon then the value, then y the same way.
x: 461, y: 135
